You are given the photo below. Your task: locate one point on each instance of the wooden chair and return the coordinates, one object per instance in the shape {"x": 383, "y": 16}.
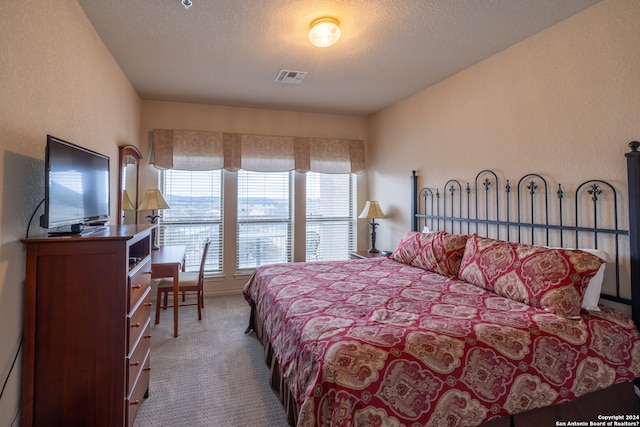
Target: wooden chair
{"x": 313, "y": 242}
{"x": 189, "y": 282}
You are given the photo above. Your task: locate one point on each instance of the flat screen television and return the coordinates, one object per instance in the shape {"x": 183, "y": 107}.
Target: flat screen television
{"x": 76, "y": 186}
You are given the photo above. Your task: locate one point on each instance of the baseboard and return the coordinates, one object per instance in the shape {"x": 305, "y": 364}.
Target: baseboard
{"x": 221, "y": 292}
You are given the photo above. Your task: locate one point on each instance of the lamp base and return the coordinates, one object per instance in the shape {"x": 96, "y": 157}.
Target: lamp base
{"x": 372, "y": 249}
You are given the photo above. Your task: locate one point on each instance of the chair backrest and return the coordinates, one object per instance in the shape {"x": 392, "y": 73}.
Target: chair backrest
{"x": 313, "y": 241}
{"x": 202, "y": 262}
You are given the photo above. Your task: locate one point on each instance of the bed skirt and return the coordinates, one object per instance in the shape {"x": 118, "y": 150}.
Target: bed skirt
{"x": 619, "y": 399}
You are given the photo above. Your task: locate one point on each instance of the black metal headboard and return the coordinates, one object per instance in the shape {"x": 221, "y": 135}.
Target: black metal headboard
{"x": 531, "y": 210}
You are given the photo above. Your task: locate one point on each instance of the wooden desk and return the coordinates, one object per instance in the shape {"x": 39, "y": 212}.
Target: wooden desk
{"x": 167, "y": 262}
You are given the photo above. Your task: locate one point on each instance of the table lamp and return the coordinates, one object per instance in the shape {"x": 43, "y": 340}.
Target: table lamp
{"x": 372, "y": 211}
{"x": 127, "y": 205}
{"x": 153, "y": 200}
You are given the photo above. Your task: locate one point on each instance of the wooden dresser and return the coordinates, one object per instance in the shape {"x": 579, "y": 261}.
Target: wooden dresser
{"x": 87, "y": 328}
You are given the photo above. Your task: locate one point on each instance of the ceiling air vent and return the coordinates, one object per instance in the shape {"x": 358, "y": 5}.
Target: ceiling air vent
{"x": 290, "y": 77}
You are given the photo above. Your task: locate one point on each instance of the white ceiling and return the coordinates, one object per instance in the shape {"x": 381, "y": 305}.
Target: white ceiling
{"x": 228, "y": 52}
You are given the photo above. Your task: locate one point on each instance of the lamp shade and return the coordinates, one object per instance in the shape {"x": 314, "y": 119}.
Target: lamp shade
{"x": 127, "y": 204}
{"x": 372, "y": 210}
{"x": 153, "y": 200}
{"x": 324, "y": 32}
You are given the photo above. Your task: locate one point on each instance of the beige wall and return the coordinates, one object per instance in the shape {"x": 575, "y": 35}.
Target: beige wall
{"x": 563, "y": 103}
{"x": 173, "y": 115}
{"x": 56, "y": 77}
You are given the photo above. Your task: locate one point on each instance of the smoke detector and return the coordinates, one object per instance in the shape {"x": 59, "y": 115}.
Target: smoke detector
{"x": 290, "y": 77}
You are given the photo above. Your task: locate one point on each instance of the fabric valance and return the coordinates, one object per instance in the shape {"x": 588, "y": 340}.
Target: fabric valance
{"x": 204, "y": 150}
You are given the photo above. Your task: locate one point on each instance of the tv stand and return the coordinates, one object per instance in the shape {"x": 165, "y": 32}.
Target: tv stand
{"x": 90, "y": 230}
{"x": 87, "y": 328}
{"x": 67, "y": 230}
{"x": 80, "y": 229}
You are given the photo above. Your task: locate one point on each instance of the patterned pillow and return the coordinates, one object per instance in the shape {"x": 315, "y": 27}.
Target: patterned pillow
{"x": 552, "y": 279}
{"x": 439, "y": 252}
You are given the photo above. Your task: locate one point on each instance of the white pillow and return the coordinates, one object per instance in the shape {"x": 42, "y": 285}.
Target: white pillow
{"x": 592, "y": 293}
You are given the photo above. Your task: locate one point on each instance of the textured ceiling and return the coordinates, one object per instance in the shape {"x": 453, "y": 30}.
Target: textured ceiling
{"x": 228, "y": 52}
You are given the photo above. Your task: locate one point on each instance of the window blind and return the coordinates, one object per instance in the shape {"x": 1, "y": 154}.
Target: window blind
{"x": 195, "y": 214}
{"x": 265, "y": 218}
{"x": 330, "y": 216}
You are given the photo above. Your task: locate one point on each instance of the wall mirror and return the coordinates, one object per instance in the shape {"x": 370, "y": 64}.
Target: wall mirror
{"x": 130, "y": 158}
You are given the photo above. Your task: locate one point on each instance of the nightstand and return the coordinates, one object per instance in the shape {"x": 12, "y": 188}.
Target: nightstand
{"x": 363, "y": 254}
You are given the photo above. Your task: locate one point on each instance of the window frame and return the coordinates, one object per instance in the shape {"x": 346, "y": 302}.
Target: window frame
{"x": 193, "y": 255}
{"x": 350, "y": 219}
{"x": 288, "y": 220}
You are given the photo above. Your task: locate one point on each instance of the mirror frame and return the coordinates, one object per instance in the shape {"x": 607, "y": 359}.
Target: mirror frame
{"x": 132, "y": 151}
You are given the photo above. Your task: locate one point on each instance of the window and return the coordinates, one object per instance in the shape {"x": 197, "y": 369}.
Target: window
{"x": 330, "y": 216}
{"x": 195, "y": 214}
{"x": 265, "y": 218}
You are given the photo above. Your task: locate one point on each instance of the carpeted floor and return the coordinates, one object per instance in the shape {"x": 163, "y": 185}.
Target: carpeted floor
{"x": 212, "y": 374}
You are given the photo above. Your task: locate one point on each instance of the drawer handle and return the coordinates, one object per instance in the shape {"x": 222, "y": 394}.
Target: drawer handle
{"x": 137, "y": 325}
{"x": 146, "y": 336}
{"x": 136, "y": 286}
{"x": 135, "y": 402}
{"x": 135, "y": 364}
{"x": 148, "y": 304}
{"x": 148, "y": 272}
{"x": 146, "y": 369}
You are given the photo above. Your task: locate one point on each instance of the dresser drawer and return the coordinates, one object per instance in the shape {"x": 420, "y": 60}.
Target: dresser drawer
{"x": 138, "y": 358}
{"x": 139, "y": 282}
{"x": 138, "y": 320}
{"x": 134, "y": 399}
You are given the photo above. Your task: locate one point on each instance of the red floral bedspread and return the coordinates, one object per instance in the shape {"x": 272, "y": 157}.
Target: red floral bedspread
{"x": 376, "y": 342}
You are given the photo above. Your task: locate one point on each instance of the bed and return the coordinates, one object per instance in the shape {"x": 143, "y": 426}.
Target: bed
{"x": 480, "y": 320}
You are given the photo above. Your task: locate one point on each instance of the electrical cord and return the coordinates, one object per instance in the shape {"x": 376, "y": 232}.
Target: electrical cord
{"x": 17, "y": 413}
{"x": 13, "y": 364}
{"x": 32, "y": 215}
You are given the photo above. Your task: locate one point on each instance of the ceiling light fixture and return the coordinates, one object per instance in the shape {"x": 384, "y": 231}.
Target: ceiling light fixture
{"x": 324, "y": 32}
{"x": 187, "y": 4}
